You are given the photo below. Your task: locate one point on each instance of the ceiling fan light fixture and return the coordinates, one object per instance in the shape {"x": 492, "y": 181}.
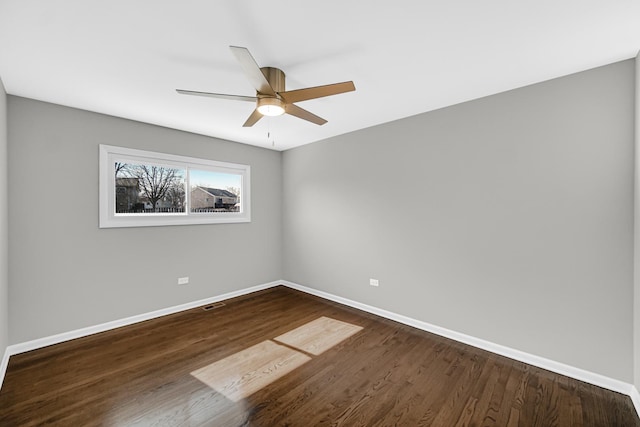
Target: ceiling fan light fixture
{"x": 270, "y": 106}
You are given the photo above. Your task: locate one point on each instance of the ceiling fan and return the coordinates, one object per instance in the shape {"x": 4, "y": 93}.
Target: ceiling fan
{"x": 271, "y": 97}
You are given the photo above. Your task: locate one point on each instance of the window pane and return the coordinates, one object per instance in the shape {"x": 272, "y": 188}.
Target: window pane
{"x": 149, "y": 189}
{"x": 214, "y": 191}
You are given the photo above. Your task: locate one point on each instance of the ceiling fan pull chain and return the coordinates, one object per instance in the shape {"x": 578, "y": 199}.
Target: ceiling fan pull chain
{"x": 273, "y": 141}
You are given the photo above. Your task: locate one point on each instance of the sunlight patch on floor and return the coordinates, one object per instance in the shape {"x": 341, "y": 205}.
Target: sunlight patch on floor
{"x": 318, "y": 336}
{"x": 247, "y": 371}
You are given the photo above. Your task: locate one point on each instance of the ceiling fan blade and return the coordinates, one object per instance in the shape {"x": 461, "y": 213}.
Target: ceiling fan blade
{"x": 316, "y": 92}
{"x": 252, "y": 70}
{"x": 253, "y": 119}
{"x": 303, "y": 114}
{"x": 217, "y": 95}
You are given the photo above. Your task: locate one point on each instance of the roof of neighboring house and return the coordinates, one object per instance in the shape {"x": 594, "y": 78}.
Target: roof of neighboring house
{"x": 218, "y": 192}
{"x": 127, "y": 182}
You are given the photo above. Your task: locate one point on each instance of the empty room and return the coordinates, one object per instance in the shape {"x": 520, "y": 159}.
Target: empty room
{"x": 333, "y": 213}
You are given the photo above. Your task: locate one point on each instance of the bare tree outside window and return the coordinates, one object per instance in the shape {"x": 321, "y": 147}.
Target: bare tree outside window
{"x": 121, "y": 169}
{"x": 155, "y": 182}
{"x": 234, "y": 190}
{"x": 176, "y": 195}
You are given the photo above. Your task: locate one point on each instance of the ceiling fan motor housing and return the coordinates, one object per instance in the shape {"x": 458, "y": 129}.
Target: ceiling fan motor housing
{"x": 275, "y": 77}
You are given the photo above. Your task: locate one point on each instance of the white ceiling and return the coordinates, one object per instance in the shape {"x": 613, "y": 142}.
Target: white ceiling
{"x": 126, "y": 58}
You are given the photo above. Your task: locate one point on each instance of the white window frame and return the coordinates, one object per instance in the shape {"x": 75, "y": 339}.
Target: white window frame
{"x": 109, "y": 154}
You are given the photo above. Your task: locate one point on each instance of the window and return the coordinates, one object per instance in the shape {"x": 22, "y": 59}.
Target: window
{"x": 142, "y": 188}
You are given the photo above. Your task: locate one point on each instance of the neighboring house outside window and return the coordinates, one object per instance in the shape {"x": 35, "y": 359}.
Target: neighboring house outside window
{"x": 127, "y": 190}
{"x": 203, "y": 198}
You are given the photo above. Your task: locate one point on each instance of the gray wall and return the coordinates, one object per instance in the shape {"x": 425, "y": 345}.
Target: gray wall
{"x": 4, "y": 264}
{"x": 66, "y": 273}
{"x": 636, "y": 293}
{"x": 508, "y": 218}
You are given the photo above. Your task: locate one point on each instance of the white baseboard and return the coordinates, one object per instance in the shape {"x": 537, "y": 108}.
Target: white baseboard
{"x": 635, "y": 398}
{"x": 83, "y": 332}
{"x": 4, "y": 364}
{"x": 541, "y": 362}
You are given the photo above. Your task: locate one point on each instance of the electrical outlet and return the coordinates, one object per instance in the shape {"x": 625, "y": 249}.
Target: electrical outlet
{"x": 374, "y": 282}
{"x": 183, "y": 280}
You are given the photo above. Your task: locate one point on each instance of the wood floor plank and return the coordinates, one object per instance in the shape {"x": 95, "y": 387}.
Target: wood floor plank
{"x": 280, "y": 357}
{"x": 485, "y": 394}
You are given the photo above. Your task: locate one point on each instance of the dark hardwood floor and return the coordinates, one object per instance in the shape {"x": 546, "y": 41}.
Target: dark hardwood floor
{"x": 284, "y": 358}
